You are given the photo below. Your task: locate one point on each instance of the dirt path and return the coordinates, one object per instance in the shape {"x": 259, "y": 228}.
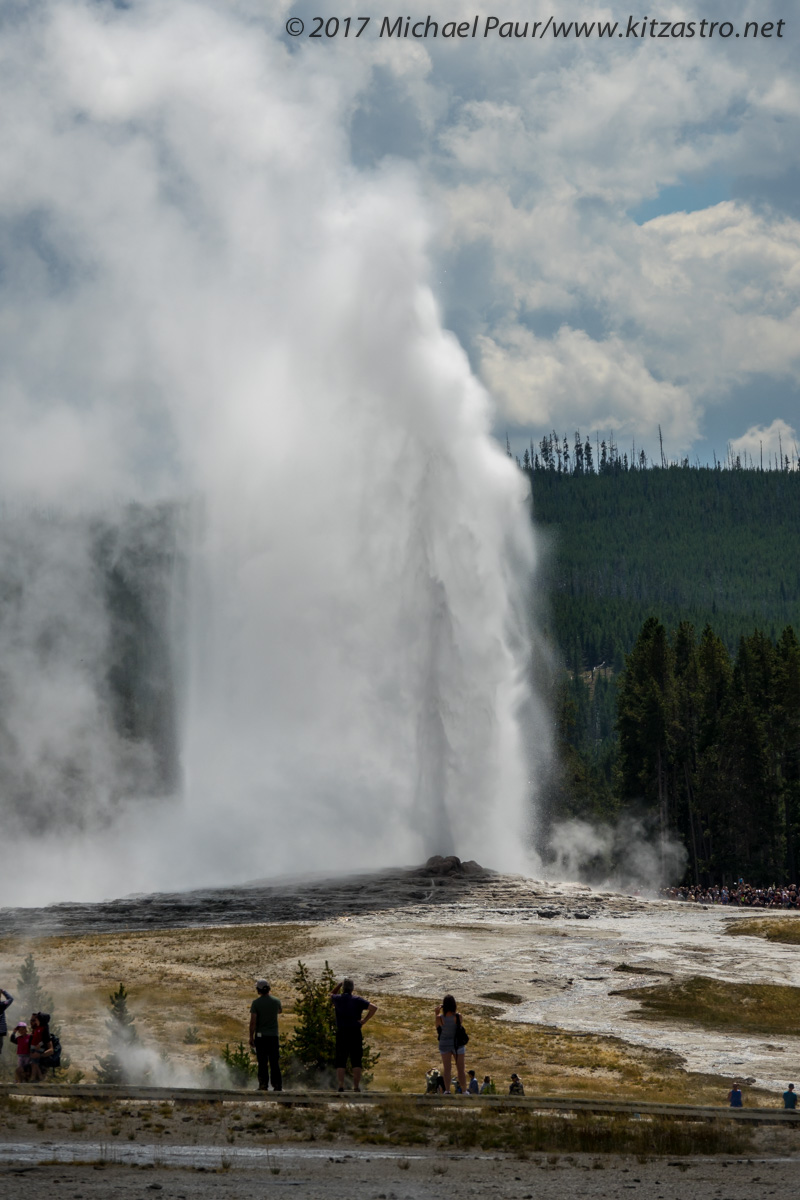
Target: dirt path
{"x": 340, "y": 1174}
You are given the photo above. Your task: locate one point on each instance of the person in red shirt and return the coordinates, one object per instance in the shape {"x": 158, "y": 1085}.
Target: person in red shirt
{"x": 22, "y": 1040}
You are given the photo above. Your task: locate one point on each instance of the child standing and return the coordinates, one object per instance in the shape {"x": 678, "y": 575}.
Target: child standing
{"x": 22, "y": 1040}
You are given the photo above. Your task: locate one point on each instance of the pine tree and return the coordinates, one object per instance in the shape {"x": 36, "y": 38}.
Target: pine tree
{"x": 684, "y": 765}
{"x": 31, "y": 996}
{"x": 122, "y": 1035}
{"x": 786, "y": 725}
{"x": 645, "y": 720}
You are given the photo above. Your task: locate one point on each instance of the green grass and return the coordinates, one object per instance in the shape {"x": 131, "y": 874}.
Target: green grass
{"x": 395, "y": 1122}
{"x": 518, "y": 1132}
{"x": 716, "y": 1004}
{"x": 773, "y": 929}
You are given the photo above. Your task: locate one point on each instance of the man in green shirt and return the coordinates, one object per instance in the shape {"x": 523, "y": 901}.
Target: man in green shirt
{"x": 264, "y": 1037}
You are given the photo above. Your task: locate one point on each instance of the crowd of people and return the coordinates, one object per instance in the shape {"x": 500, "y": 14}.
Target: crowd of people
{"x": 352, "y": 1013}
{"x": 739, "y": 894}
{"x": 38, "y": 1050}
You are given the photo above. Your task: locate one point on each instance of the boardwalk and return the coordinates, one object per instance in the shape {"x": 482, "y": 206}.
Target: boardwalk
{"x": 544, "y": 1104}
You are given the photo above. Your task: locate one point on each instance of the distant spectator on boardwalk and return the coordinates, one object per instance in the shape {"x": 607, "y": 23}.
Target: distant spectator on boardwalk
{"x": 516, "y": 1088}
{"x": 6, "y": 1002}
{"x": 472, "y": 1086}
{"x": 433, "y": 1082}
{"x": 264, "y": 1038}
{"x": 452, "y": 1041}
{"x": 487, "y": 1087}
{"x": 790, "y": 1097}
{"x": 349, "y": 1023}
{"x": 735, "y": 1096}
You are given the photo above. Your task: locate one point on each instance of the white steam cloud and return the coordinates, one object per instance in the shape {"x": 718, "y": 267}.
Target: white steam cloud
{"x": 202, "y": 301}
{"x": 622, "y": 854}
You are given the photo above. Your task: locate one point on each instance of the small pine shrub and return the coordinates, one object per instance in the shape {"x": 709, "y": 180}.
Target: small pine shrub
{"x": 31, "y": 996}
{"x": 122, "y": 1036}
{"x": 241, "y": 1064}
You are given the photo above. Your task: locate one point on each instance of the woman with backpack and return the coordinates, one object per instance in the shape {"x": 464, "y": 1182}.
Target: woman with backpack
{"x": 42, "y": 1048}
{"x": 453, "y": 1039}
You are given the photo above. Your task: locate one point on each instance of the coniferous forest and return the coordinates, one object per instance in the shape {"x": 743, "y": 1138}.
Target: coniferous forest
{"x": 673, "y": 600}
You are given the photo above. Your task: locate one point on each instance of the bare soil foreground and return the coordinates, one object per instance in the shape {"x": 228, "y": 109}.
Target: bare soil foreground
{"x": 340, "y": 1176}
{"x": 392, "y": 1149}
{"x": 582, "y": 993}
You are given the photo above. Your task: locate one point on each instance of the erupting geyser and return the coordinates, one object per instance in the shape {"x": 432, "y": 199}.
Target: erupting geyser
{"x": 205, "y": 306}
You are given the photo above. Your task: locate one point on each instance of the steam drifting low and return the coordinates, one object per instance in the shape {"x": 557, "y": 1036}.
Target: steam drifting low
{"x": 204, "y": 307}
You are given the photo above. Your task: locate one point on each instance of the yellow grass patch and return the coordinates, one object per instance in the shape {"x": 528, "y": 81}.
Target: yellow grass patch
{"x": 716, "y": 1004}
{"x": 773, "y": 929}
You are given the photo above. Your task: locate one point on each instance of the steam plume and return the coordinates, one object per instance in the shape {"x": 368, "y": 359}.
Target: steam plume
{"x": 204, "y": 304}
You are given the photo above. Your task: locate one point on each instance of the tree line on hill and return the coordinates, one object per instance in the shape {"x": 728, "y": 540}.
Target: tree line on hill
{"x": 697, "y": 544}
{"x": 555, "y": 453}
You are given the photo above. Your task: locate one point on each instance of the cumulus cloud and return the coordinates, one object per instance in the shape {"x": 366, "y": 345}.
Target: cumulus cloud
{"x": 539, "y": 158}
{"x": 760, "y": 443}
{"x": 575, "y": 379}
{"x": 682, "y": 309}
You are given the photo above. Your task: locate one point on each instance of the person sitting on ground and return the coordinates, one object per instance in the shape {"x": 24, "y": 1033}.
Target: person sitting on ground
{"x": 41, "y": 1045}
{"x": 22, "y": 1040}
{"x": 516, "y": 1088}
{"x": 472, "y": 1086}
{"x": 349, "y": 1041}
{"x": 264, "y": 1012}
{"x": 790, "y": 1097}
{"x": 735, "y": 1096}
{"x": 487, "y": 1087}
{"x": 5, "y": 1003}
{"x": 433, "y": 1082}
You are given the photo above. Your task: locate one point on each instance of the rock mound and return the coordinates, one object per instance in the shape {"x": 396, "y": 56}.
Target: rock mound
{"x": 451, "y": 865}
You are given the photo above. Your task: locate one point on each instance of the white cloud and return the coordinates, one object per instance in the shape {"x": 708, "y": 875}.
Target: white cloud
{"x": 684, "y": 308}
{"x": 573, "y": 380}
{"x": 762, "y": 443}
{"x": 545, "y": 150}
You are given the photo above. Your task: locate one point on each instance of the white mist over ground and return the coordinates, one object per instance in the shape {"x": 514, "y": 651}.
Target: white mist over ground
{"x": 202, "y": 300}
{"x": 629, "y": 852}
